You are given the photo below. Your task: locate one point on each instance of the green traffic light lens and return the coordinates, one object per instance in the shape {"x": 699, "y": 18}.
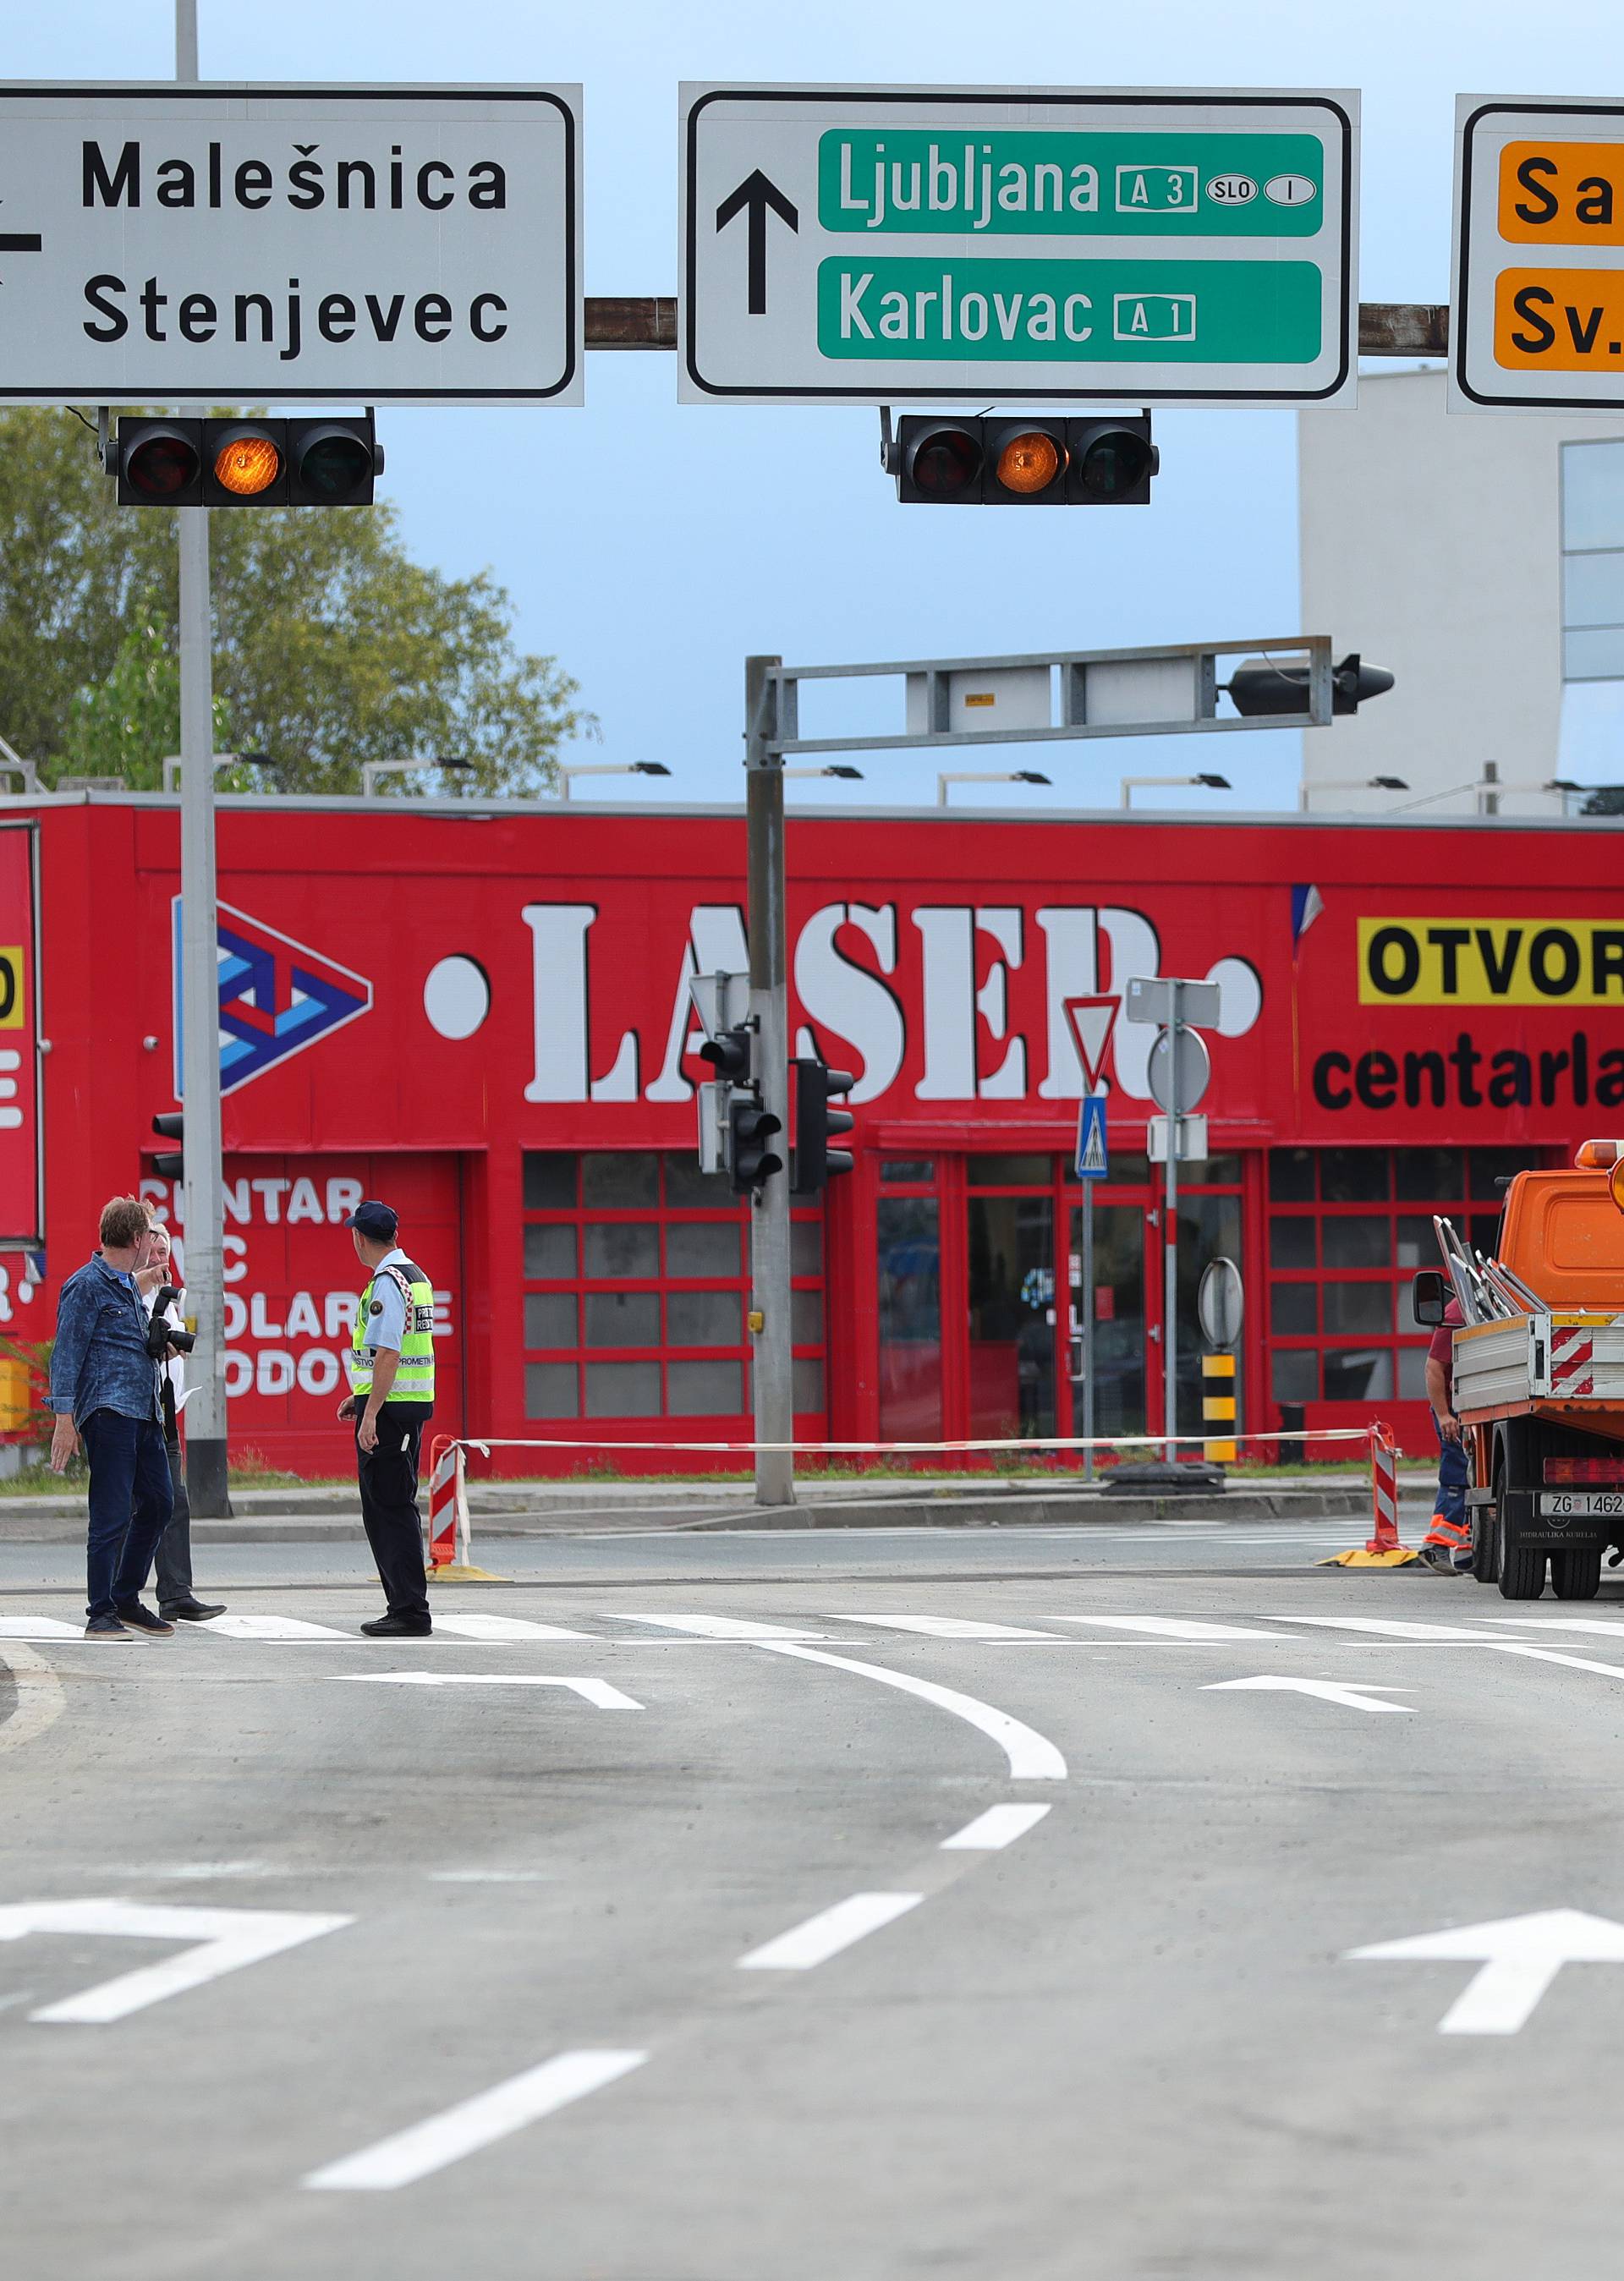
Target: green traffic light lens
{"x": 161, "y": 465}
{"x": 1115, "y": 463}
{"x": 336, "y": 468}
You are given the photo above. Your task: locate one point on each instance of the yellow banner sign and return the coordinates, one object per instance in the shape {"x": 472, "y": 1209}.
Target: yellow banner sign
{"x": 1559, "y": 319}
{"x": 1562, "y": 193}
{"x": 1538, "y": 961}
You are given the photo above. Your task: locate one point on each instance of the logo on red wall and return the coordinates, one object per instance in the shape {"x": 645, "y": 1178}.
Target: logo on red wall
{"x": 276, "y": 997}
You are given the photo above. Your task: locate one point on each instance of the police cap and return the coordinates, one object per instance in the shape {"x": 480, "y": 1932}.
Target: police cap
{"x": 374, "y": 1219}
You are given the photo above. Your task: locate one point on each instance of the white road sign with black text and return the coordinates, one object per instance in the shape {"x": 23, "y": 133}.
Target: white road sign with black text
{"x": 881, "y": 245}
{"x": 252, "y": 244}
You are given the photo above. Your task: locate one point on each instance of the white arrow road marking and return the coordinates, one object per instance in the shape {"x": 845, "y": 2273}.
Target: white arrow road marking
{"x": 1032, "y": 1756}
{"x": 500, "y": 1627}
{"x": 1331, "y": 1690}
{"x": 478, "y": 2121}
{"x": 830, "y": 1931}
{"x": 1177, "y": 1627}
{"x": 992, "y": 1831}
{"x": 721, "y": 1628}
{"x": 1521, "y": 1957}
{"x": 38, "y": 1628}
{"x": 954, "y": 1628}
{"x": 272, "y": 1627}
{"x": 594, "y": 1690}
{"x": 223, "y": 1940}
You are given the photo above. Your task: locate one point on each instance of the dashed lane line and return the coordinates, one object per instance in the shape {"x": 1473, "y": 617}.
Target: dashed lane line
{"x": 713, "y": 1627}
{"x": 501, "y": 1628}
{"x": 39, "y": 1700}
{"x": 1174, "y": 1627}
{"x": 949, "y": 1627}
{"x": 830, "y": 1931}
{"x": 596, "y": 1691}
{"x": 992, "y": 1831}
{"x": 459, "y": 2130}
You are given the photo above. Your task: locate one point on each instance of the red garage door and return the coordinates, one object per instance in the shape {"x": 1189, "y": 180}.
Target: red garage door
{"x": 292, "y": 1282}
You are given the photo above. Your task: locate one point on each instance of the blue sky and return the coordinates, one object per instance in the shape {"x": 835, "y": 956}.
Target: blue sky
{"x": 650, "y": 548}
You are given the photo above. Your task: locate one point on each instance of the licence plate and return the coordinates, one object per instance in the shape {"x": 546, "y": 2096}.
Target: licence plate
{"x": 1574, "y": 1504}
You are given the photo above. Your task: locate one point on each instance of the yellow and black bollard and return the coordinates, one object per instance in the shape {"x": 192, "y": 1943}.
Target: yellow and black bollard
{"x": 1217, "y": 1404}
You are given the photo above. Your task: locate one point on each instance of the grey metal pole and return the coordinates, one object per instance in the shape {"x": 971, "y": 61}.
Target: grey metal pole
{"x": 1087, "y": 1322}
{"x": 772, "y": 1366}
{"x": 206, "y": 1411}
{"x": 1170, "y": 1235}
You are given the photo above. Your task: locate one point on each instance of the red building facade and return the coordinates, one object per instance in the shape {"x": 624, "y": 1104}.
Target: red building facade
{"x": 481, "y": 1014}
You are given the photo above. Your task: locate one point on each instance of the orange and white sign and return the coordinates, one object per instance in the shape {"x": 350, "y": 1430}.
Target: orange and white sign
{"x": 1537, "y": 296}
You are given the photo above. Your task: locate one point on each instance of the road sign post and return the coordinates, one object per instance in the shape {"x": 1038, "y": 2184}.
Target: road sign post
{"x": 1179, "y": 1067}
{"x": 1537, "y": 321}
{"x": 772, "y": 1354}
{"x": 1091, "y": 1021}
{"x": 879, "y": 245}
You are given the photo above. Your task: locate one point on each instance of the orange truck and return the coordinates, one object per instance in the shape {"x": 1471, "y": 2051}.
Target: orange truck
{"x": 1539, "y": 1375}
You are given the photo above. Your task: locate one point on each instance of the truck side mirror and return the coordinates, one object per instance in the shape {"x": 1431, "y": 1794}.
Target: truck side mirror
{"x": 1429, "y": 1296}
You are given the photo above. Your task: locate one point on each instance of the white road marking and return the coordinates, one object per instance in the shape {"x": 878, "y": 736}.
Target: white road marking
{"x": 38, "y": 1628}
{"x": 39, "y": 1700}
{"x": 221, "y": 1940}
{"x": 830, "y": 1931}
{"x": 479, "y": 2121}
{"x": 501, "y": 1628}
{"x": 953, "y": 1627}
{"x": 992, "y": 1831}
{"x": 1564, "y": 1624}
{"x": 1032, "y": 1756}
{"x": 1521, "y": 1957}
{"x": 1553, "y": 1655}
{"x": 720, "y": 1628}
{"x": 1177, "y": 1627}
{"x": 1354, "y": 1698}
{"x": 1387, "y": 1629}
{"x": 272, "y": 1627}
{"x": 594, "y": 1690}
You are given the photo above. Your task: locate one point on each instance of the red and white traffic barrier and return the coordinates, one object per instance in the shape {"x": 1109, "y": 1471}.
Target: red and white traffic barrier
{"x": 1572, "y": 1355}
{"x": 1382, "y": 1549}
{"x": 448, "y": 1504}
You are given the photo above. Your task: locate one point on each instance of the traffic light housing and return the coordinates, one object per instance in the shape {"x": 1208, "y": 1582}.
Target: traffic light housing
{"x": 329, "y": 462}
{"x": 729, "y": 1054}
{"x": 751, "y": 1158}
{"x": 816, "y": 1124}
{"x": 1259, "y": 686}
{"x": 943, "y": 461}
{"x": 170, "y": 1164}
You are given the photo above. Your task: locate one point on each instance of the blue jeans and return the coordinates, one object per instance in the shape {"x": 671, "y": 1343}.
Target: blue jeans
{"x": 130, "y": 1505}
{"x": 1449, "y": 1504}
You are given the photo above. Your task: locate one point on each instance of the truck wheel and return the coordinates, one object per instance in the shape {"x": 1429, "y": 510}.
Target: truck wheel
{"x": 1485, "y": 1544}
{"x": 1522, "y": 1571}
{"x": 1577, "y": 1576}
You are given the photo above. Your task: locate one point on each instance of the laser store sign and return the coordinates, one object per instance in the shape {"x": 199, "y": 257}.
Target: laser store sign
{"x": 882, "y": 243}
{"x": 391, "y": 243}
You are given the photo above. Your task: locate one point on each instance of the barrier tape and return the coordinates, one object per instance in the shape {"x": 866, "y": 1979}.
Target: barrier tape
{"x": 941, "y": 1449}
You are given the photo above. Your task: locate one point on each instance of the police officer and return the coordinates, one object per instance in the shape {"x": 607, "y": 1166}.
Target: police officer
{"x": 391, "y": 1378}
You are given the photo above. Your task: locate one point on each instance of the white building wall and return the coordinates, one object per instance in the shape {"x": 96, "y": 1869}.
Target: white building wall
{"x": 1431, "y": 543}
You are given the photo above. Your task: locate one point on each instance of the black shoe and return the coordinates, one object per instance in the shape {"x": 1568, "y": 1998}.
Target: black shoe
{"x": 135, "y": 1617}
{"x": 102, "y": 1628}
{"x": 399, "y": 1627}
{"x": 192, "y": 1612}
{"x": 1439, "y": 1559}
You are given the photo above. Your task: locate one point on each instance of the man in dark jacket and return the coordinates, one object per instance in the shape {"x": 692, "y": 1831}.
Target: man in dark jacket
{"x": 104, "y": 1387}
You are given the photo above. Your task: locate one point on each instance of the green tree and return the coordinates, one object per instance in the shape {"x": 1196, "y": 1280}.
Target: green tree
{"x": 332, "y": 646}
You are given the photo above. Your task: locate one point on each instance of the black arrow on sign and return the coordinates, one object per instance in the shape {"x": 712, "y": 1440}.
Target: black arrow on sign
{"x": 754, "y": 196}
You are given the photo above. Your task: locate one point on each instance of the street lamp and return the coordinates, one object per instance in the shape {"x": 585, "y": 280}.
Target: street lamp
{"x": 1488, "y": 786}
{"x": 566, "y": 776}
{"x": 371, "y": 770}
{"x": 985, "y": 776}
{"x": 1349, "y": 783}
{"x": 835, "y": 768}
{"x": 172, "y": 765}
{"x": 1212, "y": 783}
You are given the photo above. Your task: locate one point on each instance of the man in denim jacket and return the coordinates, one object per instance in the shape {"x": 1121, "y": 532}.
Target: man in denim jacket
{"x": 105, "y": 1386}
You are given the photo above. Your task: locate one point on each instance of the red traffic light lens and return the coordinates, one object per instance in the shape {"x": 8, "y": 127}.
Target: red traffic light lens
{"x": 1029, "y": 462}
{"x": 160, "y": 466}
{"x": 335, "y": 467}
{"x": 946, "y": 462}
{"x": 1116, "y": 462}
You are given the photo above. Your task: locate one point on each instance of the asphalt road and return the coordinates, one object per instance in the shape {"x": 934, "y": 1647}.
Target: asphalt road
{"x": 851, "y": 1906}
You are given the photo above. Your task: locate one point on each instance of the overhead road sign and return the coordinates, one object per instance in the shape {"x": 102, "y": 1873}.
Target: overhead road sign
{"x": 1538, "y": 295}
{"x": 883, "y": 244}
{"x": 252, "y": 244}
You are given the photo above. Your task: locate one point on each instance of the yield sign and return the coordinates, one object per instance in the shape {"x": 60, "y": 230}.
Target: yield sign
{"x": 1092, "y": 1020}
{"x": 1519, "y": 1957}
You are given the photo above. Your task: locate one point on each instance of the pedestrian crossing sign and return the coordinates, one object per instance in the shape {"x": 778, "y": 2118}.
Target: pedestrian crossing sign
{"x": 1093, "y": 1156}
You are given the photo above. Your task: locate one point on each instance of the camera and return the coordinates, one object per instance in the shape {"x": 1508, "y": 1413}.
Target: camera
{"x": 163, "y": 1335}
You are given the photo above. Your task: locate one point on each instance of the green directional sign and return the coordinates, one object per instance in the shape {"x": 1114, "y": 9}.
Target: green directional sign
{"x": 883, "y": 244}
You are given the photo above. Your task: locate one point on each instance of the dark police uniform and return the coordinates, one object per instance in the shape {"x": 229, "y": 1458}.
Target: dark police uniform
{"x": 396, "y": 1315}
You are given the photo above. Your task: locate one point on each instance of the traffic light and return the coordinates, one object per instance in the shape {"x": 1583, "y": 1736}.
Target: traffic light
{"x": 729, "y": 1054}
{"x": 246, "y": 462}
{"x": 986, "y": 461}
{"x": 751, "y": 1160}
{"x": 170, "y": 1164}
{"x": 1259, "y": 686}
{"x": 816, "y": 1085}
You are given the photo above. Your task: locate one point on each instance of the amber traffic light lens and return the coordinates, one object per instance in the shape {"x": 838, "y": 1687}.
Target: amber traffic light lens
{"x": 1029, "y": 463}
{"x": 247, "y": 465}
{"x": 161, "y": 465}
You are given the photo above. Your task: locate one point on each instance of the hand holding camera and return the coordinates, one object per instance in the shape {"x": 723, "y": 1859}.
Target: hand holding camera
{"x": 165, "y": 1337}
